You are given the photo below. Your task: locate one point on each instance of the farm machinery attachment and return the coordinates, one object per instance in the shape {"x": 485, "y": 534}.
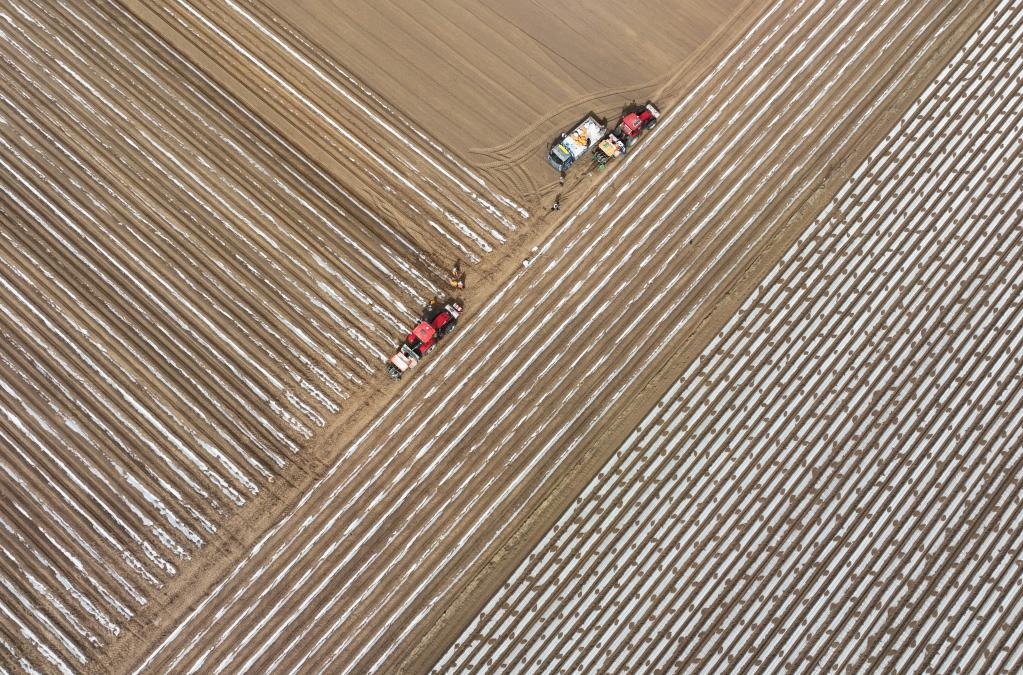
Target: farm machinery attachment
{"x": 439, "y": 318}
{"x": 625, "y": 134}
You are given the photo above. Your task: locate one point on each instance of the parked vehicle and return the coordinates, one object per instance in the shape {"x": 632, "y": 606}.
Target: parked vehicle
{"x": 574, "y": 144}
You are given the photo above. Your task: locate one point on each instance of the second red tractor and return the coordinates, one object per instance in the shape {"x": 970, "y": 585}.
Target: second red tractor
{"x": 628, "y": 130}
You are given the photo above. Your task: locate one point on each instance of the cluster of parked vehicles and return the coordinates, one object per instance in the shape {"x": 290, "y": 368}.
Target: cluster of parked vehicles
{"x": 591, "y": 135}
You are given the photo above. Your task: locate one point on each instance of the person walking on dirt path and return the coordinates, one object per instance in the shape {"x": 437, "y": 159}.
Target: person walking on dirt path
{"x": 561, "y": 178}
{"x": 456, "y": 276}
{"x": 557, "y": 203}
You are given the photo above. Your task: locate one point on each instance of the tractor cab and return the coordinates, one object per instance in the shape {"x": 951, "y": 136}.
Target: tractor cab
{"x": 635, "y": 122}
{"x": 631, "y": 124}
{"x": 423, "y": 333}
{"x": 561, "y": 158}
{"x": 438, "y": 319}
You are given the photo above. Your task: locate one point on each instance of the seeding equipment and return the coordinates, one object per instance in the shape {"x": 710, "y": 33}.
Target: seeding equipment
{"x": 626, "y": 132}
{"x": 437, "y": 320}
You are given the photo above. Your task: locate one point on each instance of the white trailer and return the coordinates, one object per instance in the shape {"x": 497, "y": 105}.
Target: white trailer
{"x": 574, "y": 144}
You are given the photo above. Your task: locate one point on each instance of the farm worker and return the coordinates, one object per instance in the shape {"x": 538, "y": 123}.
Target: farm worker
{"x": 457, "y": 276}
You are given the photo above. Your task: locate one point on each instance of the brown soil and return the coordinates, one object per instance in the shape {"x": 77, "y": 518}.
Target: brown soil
{"x": 477, "y": 75}
{"x": 209, "y": 250}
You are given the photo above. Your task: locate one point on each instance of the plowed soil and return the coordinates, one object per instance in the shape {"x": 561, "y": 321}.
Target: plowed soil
{"x": 495, "y": 81}
{"x": 220, "y": 217}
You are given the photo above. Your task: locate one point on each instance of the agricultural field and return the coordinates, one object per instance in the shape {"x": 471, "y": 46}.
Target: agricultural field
{"x": 833, "y": 483}
{"x": 448, "y": 67}
{"x": 489, "y": 82}
{"x": 220, "y": 218}
{"x": 174, "y": 331}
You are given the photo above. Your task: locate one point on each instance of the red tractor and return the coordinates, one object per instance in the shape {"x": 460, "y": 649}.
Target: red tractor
{"x": 438, "y": 319}
{"x": 634, "y": 123}
{"x": 628, "y": 130}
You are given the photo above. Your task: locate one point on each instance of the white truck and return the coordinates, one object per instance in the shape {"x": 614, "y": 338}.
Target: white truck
{"x": 574, "y": 144}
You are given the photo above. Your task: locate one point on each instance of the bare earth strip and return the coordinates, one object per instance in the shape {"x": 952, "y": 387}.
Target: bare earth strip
{"x": 428, "y": 56}
{"x": 833, "y": 484}
{"x": 414, "y": 507}
{"x": 496, "y": 80}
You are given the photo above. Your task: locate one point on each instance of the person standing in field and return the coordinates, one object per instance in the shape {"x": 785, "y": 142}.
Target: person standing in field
{"x": 456, "y": 277}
